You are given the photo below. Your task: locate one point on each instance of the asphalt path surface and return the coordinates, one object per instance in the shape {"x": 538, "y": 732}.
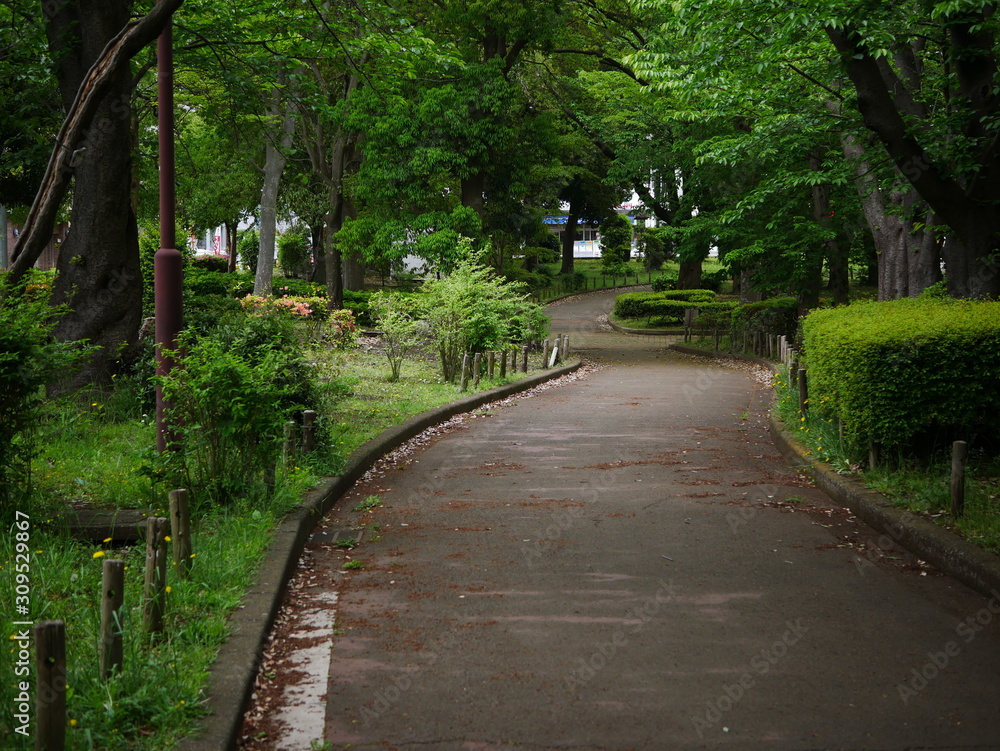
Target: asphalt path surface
{"x": 625, "y": 562}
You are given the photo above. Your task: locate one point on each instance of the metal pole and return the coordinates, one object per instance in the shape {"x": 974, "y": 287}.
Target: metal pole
{"x": 167, "y": 261}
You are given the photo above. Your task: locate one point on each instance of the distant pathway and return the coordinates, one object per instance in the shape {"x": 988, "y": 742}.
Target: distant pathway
{"x": 626, "y": 562}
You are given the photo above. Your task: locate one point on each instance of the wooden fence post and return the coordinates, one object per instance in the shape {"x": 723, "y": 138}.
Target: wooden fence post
{"x": 524, "y": 358}
{"x": 545, "y": 353}
{"x": 289, "y": 446}
{"x": 465, "y": 372}
{"x": 477, "y": 368}
{"x": 112, "y": 599}
{"x": 308, "y": 430}
{"x": 803, "y": 392}
{"x": 154, "y": 585}
{"x": 503, "y": 363}
{"x": 491, "y": 361}
{"x": 50, "y": 683}
{"x": 959, "y": 454}
{"x": 180, "y": 531}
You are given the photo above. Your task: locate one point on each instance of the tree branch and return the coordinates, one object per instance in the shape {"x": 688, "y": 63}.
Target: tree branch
{"x": 38, "y": 226}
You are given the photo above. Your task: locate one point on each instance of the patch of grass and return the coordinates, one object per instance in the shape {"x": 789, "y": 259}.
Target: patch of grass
{"x": 370, "y": 503}
{"x": 920, "y": 489}
{"x": 353, "y": 565}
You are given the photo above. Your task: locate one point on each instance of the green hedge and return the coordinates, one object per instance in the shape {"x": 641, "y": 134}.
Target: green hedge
{"x": 892, "y": 370}
{"x": 637, "y": 304}
{"x": 778, "y": 316}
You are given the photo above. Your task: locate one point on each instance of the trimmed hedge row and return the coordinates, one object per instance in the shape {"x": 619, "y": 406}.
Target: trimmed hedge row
{"x": 892, "y": 370}
{"x": 778, "y": 316}
{"x": 642, "y": 304}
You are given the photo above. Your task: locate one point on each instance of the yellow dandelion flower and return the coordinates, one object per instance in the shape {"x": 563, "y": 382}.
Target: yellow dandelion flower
{"x": 99, "y": 554}
{"x": 72, "y": 723}
{"x": 107, "y": 539}
{"x": 169, "y": 590}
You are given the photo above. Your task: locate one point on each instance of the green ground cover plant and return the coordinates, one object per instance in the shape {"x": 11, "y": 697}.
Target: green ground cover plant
{"x": 95, "y": 450}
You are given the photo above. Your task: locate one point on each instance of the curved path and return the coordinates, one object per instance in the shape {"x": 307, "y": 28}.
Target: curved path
{"x": 625, "y": 562}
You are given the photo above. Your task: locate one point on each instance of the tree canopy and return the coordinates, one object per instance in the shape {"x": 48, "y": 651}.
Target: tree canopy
{"x": 799, "y": 139}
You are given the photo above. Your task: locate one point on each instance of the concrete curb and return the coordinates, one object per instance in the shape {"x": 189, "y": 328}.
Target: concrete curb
{"x": 976, "y": 568}
{"x": 235, "y": 667}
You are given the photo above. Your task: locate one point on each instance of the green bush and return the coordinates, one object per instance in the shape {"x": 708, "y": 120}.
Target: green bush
{"x": 293, "y": 252}
{"x": 473, "y": 310}
{"x": 238, "y": 385}
{"x": 210, "y": 263}
{"x": 648, "y": 304}
{"x": 357, "y": 302}
{"x": 29, "y": 360}
{"x": 248, "y": 249}
{"x": 398, "y": 318}
{"x": 199, "y": 281}
{"x": 777, "y": 316}
{"x": 664, "y": 282}
{"x": 891, "y": 370}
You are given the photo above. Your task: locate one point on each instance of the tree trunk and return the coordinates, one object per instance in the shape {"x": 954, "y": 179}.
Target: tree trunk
{"x": 689, "y": 276}
{"x": 98, "y": 269}
{"x": 472, "y": 192}
{"x": 569, "y": 241}
{"x": 231, "y": 245}
{"x": 319, "y": 254}
{"x": 354, "y": 273}
{"x": 908, "y": 259}
{"x": 274, "y": 165}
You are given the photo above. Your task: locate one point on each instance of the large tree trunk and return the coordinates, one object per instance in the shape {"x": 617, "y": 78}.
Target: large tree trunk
{"x": 274, "y": 165}
{"x": 832, "y": 250}
{"x": 98, "y": 268}
{"x": 689, "y": 275}
{"x": 908, "y": 259}
{"x": 231, "y": 245}
{"x": 473, "y": 187}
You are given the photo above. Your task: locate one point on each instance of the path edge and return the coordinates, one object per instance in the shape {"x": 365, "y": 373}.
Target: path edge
{"x": 234, "y": 670}
{"x": 978, "y": 569}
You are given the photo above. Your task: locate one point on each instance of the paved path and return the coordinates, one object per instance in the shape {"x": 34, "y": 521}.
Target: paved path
{"x": 625, "y": 562}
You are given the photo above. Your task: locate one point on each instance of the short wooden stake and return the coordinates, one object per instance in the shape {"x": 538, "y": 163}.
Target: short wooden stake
{"x": 803, "y": 392}
{"x": 50, "y": 686}
{"x": 716, "y": 347}
{"x": 112, "y": 599}
{"x": 477, "y": 369}
{"x": 959, "y": 454}
{"x": 180, "y": 531}
{"x": 308, "y": 430}
{"x": 873, "y": 454}
{"x": 289, "y": 446}
{"x": 524, "y": 358}
{"x": 491, "y": 361}
{"x": 545, "y": 353}
{"x": 465, "y": 372}
{"x": 154, "y": 585}
{"x": 503, "y": 363}
{"x": 565, "y": 347}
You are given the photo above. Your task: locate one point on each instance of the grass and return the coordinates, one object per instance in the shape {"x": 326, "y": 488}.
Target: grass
{"x": 93, "y": 451}
{"x": 919, "y": 486}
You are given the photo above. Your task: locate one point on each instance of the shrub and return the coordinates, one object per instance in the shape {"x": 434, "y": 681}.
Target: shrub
{"x": 343, "y": 329}
{"x": 616, "y": 242}
{"x": 293, "y": 252}
{"x": 398, "y": 318}
{"x": 248, "y": 248}
{"x": 647, "y": 304}
{"x": 891, "y": 370}
{"x": 576, "y": 280}
{"x": 29, "y": 360}
{"x": 313, "y": 308}
{"x": 210, "y": 263}
{"x": 199, "y": 281}
{"x": 356, "y": 301}
{"x": 778, "y": 316}
{"x": 665, "y": 282}
{"x": 283, "y": 286}
{"x": 473, "y": 310}
{"x": 238, "y": 385}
